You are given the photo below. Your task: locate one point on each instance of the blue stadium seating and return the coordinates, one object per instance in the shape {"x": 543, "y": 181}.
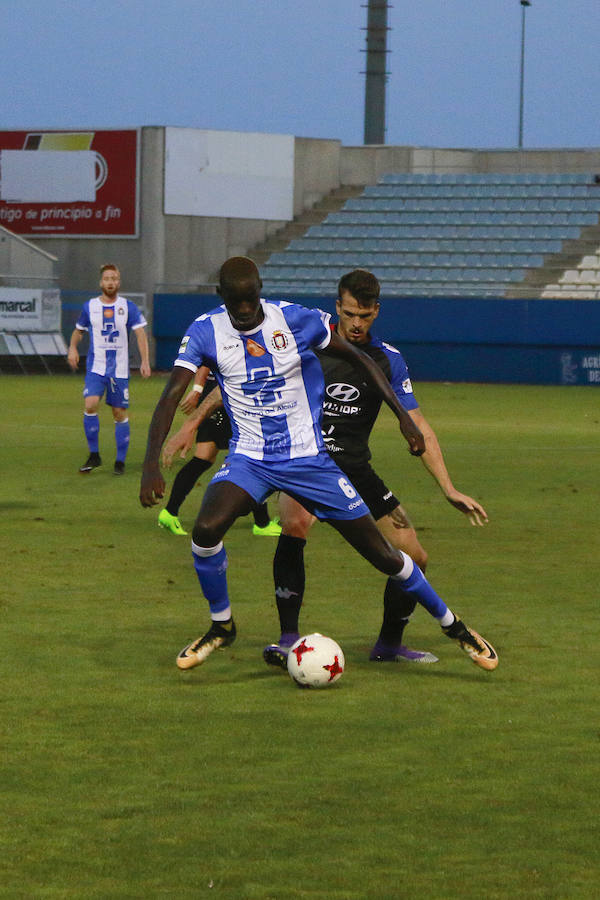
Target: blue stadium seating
{"x": 459, "y": 234}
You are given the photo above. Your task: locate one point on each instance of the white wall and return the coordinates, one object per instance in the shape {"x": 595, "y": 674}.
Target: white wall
{"x": 229, "y": 174}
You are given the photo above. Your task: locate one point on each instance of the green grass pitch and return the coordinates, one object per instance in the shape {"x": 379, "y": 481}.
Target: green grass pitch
{"x": 122, "y": 777}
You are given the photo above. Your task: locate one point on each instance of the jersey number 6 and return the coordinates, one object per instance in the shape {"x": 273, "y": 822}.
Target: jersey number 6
{"x": 347, "y": 488}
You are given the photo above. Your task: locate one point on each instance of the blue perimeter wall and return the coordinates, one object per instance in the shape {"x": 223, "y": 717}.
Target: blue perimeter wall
{"x": 449, "y": 339}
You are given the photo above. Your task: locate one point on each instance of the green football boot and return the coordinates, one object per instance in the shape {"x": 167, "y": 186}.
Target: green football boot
{"x": 169, "y": 522}
{"x": 272, "y": 529}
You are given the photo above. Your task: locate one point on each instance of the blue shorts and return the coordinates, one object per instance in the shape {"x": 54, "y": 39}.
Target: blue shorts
{"x": 315, "y": 481}
{"x": 117, "y": 389}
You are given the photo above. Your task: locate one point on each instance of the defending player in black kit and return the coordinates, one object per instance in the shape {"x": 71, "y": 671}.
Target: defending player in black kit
{"x": 350, "y": 410}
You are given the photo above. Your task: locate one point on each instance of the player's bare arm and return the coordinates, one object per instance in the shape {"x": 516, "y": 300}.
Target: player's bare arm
{"x": 183, "y": 440}
{"x": 142, "y": 342}
{"x": 340, "y": 347}
{"x": 191, "y": 400}
{"x": 153, "y": 484}
{"x": 73, "y": 353}
{"x": 433, "y": 460}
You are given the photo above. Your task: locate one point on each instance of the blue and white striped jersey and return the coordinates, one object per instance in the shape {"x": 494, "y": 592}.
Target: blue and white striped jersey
{"x": 108, "y": 326}
{"x": 271, "y": 381}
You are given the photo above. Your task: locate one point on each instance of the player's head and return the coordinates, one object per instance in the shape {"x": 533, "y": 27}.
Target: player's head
{"x": 239, "y": 288}
{"x": 357, "y": 305}
{"x": 110, "y": 279}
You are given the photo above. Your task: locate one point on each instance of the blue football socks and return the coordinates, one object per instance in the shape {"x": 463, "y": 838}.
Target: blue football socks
{"x": 417, "y": 585}
{"x": 91, "y": 427}
{"x": 211, "y": 568}
{"x": 122, "y": 439}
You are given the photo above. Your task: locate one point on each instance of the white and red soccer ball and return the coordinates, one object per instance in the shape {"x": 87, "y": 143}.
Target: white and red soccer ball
{"x": 315, "y": 661}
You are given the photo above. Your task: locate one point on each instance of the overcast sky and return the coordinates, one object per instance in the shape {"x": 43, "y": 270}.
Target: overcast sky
{"x": 296, "y": 68}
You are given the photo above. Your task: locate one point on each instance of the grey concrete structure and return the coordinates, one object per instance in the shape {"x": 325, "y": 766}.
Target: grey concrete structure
{"x": 23, "y": 264}
{"x": 184, "y": 252}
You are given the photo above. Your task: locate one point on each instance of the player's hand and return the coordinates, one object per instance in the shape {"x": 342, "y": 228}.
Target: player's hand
{"x": 473, "y": 510}
{"x": 413, "y": 436}
{"x": 145, "y": 370}
{"x": 181, "y": 443}
{"x": 152, "y": 488}
{"x": 190, "y": 402}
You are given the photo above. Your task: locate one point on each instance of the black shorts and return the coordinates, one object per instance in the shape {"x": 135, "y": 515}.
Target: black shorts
{"x": 372, "y": 489}
{"x": 215, "y": 429}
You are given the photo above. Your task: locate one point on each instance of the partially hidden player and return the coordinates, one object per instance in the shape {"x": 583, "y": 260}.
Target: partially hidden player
{"x": 212, "y": 435}
{"x": 350, "y": 409}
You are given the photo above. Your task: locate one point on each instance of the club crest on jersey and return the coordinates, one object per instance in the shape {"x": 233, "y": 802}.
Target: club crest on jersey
{"x": 279, "y": 340}
{"x": 254, "y": 349}
{"x": 120, "y": 310}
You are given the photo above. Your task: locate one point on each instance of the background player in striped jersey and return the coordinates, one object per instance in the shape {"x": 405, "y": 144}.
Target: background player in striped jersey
{"x": 108, "y": 319}
{"x": 262, "y": 353}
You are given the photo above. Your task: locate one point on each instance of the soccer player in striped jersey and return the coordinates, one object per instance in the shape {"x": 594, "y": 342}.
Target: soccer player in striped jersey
{"x": 263, "y": 355}
{"x": 108, "y": 319}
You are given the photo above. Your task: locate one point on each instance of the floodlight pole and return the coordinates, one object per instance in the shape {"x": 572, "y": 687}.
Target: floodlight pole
{"x": 376, "y": 72}
{"x": 524, "y": 5}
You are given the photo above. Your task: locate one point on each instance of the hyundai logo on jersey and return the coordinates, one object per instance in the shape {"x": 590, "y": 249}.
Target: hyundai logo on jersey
{"x": 344, "y": 392}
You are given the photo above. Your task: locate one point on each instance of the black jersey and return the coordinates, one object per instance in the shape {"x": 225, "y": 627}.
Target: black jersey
{"x": 351, "y": 405}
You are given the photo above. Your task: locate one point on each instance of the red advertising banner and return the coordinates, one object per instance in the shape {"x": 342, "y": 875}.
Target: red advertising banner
{"x": 69, "y": 183}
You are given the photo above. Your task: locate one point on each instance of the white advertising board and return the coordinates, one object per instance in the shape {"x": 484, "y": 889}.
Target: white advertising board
{"x": 24, "y": 309}
{"x": 47, "y": 176}
{"x": 229, "y": 174}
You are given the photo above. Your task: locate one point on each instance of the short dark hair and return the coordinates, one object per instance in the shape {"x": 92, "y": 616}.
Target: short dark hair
{"x": 362, "y": 284}
{"x": 106, "y": 266}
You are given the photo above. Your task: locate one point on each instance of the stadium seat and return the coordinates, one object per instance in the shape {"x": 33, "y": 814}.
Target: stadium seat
{"x": 459, "y": 232}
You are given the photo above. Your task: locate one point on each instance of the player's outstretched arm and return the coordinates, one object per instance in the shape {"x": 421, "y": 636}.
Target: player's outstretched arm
{"x": 433, "y": 460}
{"x": 374, "y": 374}
{"x": 152, "y": 486}
{"x": 184, "y": 439}
{"x": 179, "y": 443}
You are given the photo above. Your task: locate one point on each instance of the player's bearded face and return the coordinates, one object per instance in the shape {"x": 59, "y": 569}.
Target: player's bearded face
{"x": 110, "y": 282}
{"x": 355, "y": 320}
